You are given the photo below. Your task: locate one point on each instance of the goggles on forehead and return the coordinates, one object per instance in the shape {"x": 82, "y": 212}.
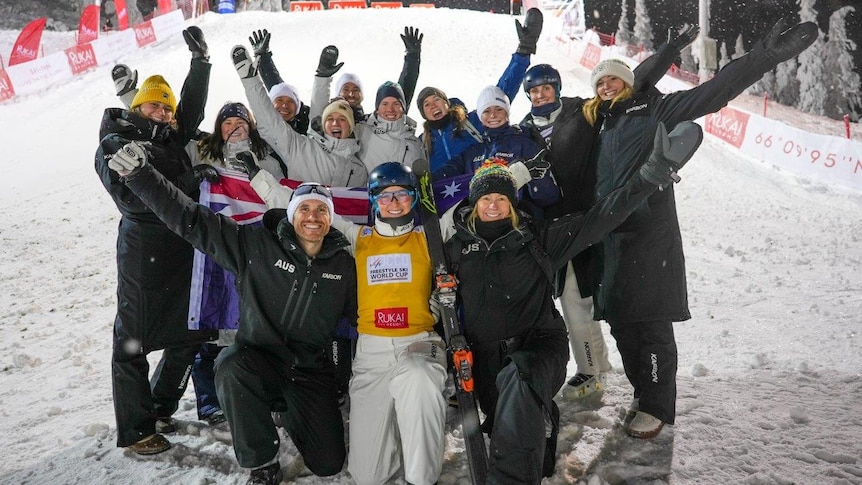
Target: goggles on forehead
{"x": 311, "y": 188}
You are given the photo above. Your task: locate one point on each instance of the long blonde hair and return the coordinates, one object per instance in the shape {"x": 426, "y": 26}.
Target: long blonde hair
{"x": 591, "y": 107}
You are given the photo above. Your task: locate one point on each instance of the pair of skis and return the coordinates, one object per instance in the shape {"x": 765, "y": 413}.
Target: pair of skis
{"x": 462, "y": 357}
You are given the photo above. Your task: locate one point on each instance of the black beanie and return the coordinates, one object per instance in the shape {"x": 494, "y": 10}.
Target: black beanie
{"x": 387, "y": 89}
{"x": 232, "y": 110}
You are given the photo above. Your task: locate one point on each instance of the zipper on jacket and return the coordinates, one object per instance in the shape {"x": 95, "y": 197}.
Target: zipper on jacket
{"x": 289, "y": 302}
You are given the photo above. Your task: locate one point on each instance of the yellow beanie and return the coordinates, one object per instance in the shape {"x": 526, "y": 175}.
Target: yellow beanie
{"x": 155, "y": 90}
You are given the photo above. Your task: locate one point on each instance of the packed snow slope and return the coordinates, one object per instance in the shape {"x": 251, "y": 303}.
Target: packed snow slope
{"x": 769, "y": 364}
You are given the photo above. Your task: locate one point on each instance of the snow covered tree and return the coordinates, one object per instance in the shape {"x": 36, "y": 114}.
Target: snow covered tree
{"x": 786, "y": 83}
{"x": 624, "y": 34}
{"x": 812, "y": 89}
{"x": 643, "y": 25}
{"x": 723, "y": 59}
{"x": 739, "y": 49}
{"x": 842, "y": 83}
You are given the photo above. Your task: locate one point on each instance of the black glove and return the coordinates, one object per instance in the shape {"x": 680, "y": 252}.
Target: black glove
{"x": 195, "y": 39}
{"x": 205, "y": 172}
{"x": 249, "y": 163}
{"x": 260, "y": 42}
{"x": 125, "y": 79}
{"x": 412, "y": 40}
{"x": 328, "y": 58}
{"x": 684, "y": 38}
{"x": 784, "y": 43}
{"x": 670, "y": 152}
{"x": 528, "y": 34}
{"x": 537, "y": 165}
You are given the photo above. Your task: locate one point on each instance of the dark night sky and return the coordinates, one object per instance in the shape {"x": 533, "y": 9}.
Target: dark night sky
{"x": 728, "y": 18}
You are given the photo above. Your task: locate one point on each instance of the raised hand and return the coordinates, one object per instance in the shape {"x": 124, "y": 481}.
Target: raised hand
{"x": 260, "y": 42}
{"x": 194, "y": 38}
{"x": 670, "y": 152}
{"x": 328, "y": 59}
{"x": 412, "y": 40}
{"x": 528, "y": 34}
{"x": 684, "y": 38}
{"x": 242, "y": 62}
{"x": 125, "y": 79}
{"x": 131, "y": 156}
{"x": 783, "y": 43}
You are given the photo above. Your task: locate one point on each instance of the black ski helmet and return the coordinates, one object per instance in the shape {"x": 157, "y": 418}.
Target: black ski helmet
{"x": 542, "y": 74}
{"x": 389, "y": 174}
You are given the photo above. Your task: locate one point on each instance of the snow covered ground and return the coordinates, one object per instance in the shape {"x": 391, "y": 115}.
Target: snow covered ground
{"x": 770, "y": 363}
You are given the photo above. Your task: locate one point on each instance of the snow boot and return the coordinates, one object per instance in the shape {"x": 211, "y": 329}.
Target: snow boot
{"x": 165, "y": 425}
{"x": 151, "y": 445}
{"x": 582, "y": 385}
{"x": 266, "y": 475}
{"x": 644, "y": 426}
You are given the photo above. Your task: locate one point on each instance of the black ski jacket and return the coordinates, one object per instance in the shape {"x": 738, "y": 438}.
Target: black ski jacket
{"x": 570, "y": 154}
{"x": 505, "y": 285}
{"x": 290, "y": 303}
{"x": 642, "y": 263}
{"x": 153, "y": 264}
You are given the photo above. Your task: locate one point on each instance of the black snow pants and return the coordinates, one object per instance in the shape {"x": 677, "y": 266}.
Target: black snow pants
{"x": 251, "y": 382}
{"x": 648, "y": 350}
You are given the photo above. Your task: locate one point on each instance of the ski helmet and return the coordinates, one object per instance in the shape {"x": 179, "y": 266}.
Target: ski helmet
{"x": 542, "y": 74}
{"x": 387, "y": 175}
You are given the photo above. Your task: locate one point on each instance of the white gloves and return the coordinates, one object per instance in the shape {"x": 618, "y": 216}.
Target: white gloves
{"x": 133, "y": 155}
{"x": 434, "y": 305}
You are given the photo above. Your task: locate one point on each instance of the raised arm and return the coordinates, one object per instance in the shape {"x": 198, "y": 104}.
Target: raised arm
{"x": 259, "y": 41}
{"x": 327, "y": 66}
{"x": 653, "y": 68}
{"x": 193, "y": 97}
{"x": 410, "y": 70}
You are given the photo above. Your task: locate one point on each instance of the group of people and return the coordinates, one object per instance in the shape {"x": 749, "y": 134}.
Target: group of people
{"x": 575, "y": 202}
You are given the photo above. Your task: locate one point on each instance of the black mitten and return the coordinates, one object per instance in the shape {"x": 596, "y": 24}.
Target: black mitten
{"x": 125, "y": 79}
{"x": 412, "y": 40}
{"x": 205, "y": 172}
{"x": 260, "y": 42}
{"x": 328, "y": 58}
{"x": 528, "y": 34}
{"x": 784, "y": 43}
{"x": 670, "y": 152}
{"x": 194, "y": 37}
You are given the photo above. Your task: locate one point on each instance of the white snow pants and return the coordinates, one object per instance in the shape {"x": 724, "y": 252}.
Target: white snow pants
{"x": 397, "y": 409}
{"x": 585, "y": 334}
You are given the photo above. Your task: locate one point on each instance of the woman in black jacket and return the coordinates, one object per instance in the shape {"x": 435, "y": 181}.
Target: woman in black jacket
{"x": 505, "y": 264}
{"x": 153, "y": 264}
{"x": 558, "y": 123}
{"x": 642, "y": 289}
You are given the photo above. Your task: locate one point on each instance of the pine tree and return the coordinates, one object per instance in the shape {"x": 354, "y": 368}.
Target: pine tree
{"x": 643, "y": 27}
{"x": 842, "y": 83}
{"x": 812, "y": 89}
{"x": 624, "y": 34}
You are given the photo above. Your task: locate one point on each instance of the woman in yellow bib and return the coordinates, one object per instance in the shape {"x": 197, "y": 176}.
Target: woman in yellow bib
{"x": 397, "y": 408}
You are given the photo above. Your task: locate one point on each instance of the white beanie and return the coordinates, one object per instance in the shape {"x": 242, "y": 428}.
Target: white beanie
{"x": 492, "y": 96}
{"x": 284, "y": 89}
{"x": 347, "y": 77}
{"x": 612, "y": 67}
{"x": 298, "y": 199}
